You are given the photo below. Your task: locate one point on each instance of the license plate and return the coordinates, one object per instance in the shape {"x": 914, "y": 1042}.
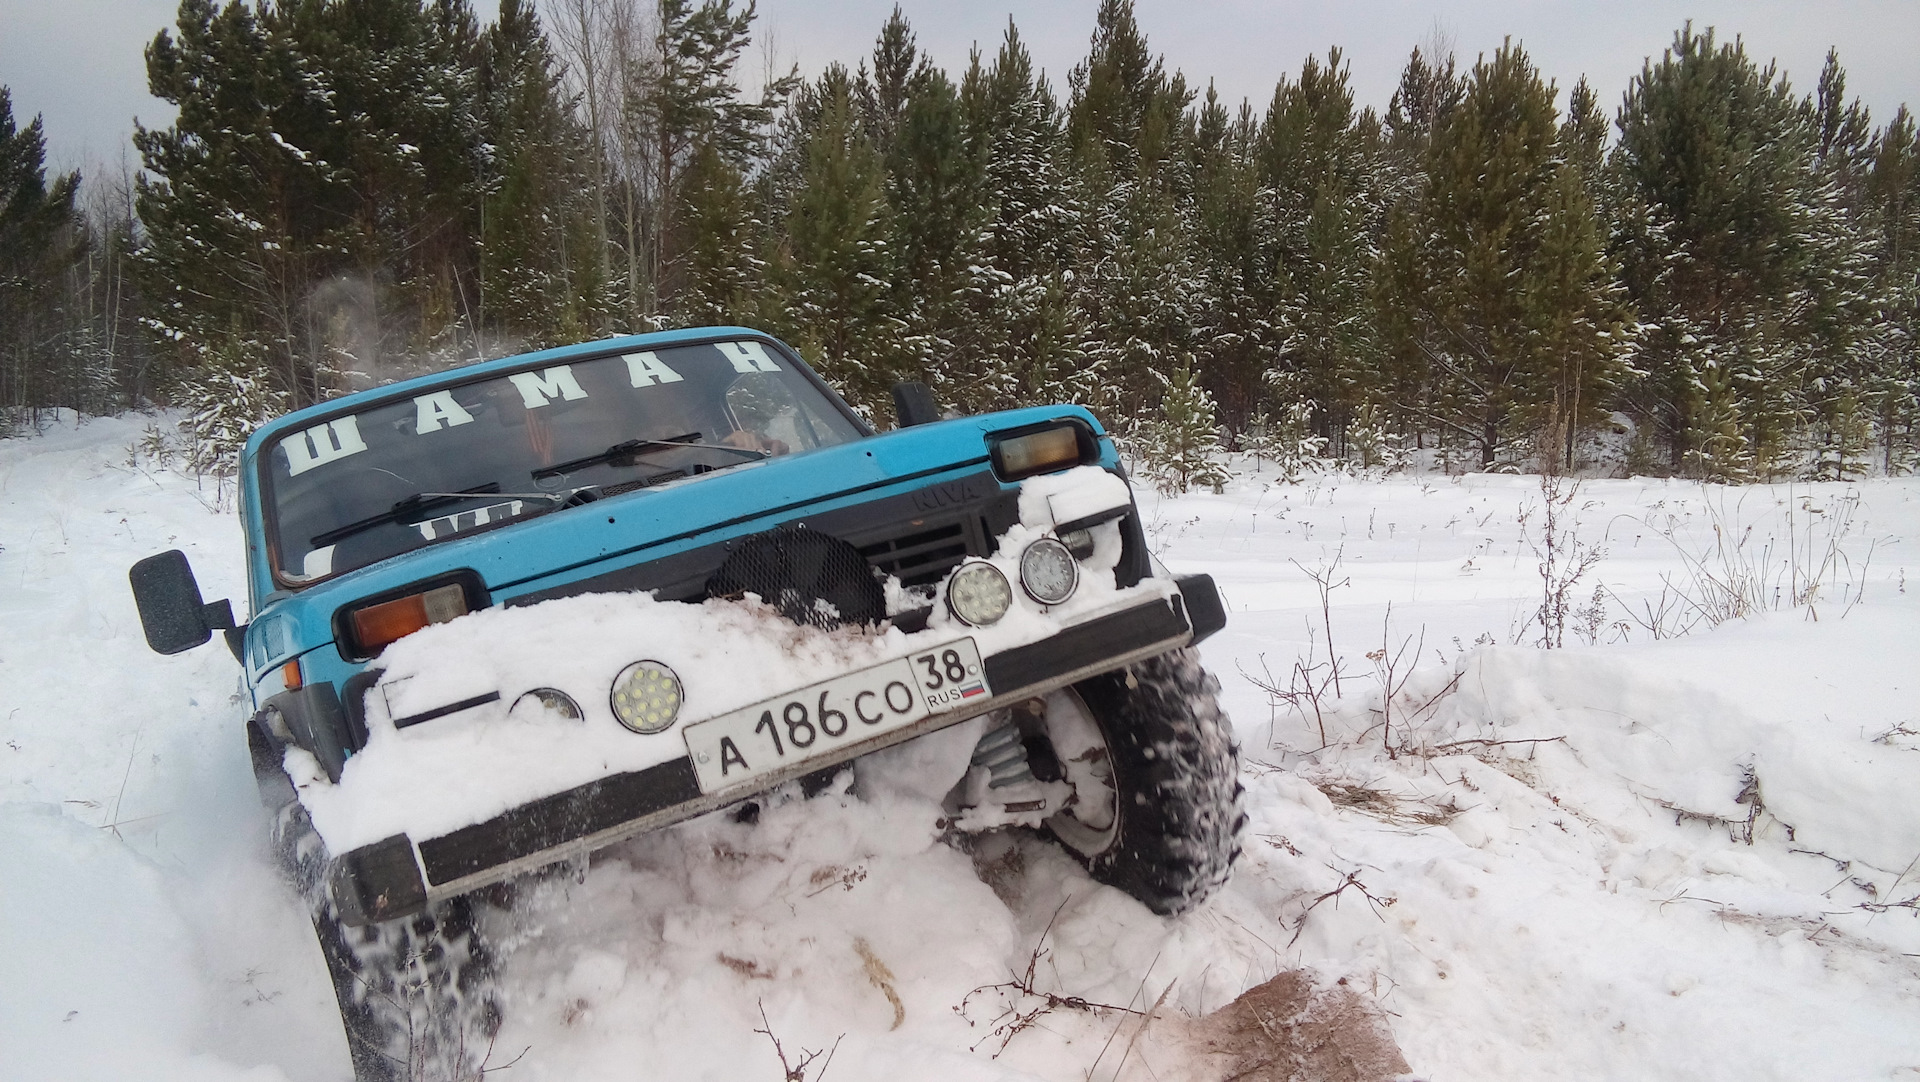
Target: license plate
{"x": 815, "y": 721}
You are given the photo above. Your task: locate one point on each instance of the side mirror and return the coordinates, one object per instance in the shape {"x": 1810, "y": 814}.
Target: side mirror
{"x": 171, "y": 612}
{"x": 913, "y": 404}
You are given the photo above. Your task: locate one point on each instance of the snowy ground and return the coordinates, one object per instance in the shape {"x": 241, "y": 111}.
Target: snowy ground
{"x": 1684, "y": 855}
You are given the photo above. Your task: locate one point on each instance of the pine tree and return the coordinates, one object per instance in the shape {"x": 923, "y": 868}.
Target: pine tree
{"x": 1136, "y": 277}
{"x": 1429, "y": 90}
{"x": 316, "y": 202}
{"x": 37, "y": 249}
{"x": 935, "y": 193}
{"x": 1031, "y": 339}
{"x": 542, "y": 276}
{"x": 1725, "y": 228}
{"x": 224, "y": 399}
{"x": 235, "y": 208}
{"x": 724, "y": 277}
{"x": 1836, "y": 348}
{"x": 1893, "y": 192}
{"x": 1719, "y": 449}
{"x": 1180, "y": 445}
{"x": 1320, "y": 168}
{"x": 884, "y": 93}
{"x": 1505, "y": 288}
{"x": 1230, "y": 223}
{"x": 834, "y": 264}
{"x": 683, "y": 95}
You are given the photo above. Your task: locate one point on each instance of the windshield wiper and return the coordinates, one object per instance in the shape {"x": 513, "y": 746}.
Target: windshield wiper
{"x": 632, "y": 449}
{"x": 413, "y": 509}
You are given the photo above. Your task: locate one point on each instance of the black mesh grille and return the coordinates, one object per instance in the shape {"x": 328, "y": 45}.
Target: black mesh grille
{"x": 920, "y": 559}
{"x": 810, "y": 577}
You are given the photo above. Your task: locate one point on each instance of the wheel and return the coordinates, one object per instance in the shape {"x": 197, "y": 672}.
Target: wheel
{"x": 415, "y": 995}
{"x": 1155, "y": 774}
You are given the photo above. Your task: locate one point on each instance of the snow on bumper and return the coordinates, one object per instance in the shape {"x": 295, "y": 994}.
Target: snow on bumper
{"x": 481, "y": 793}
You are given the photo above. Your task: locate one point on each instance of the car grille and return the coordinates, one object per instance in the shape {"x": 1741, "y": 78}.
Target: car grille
{"x": 922, "y": 558}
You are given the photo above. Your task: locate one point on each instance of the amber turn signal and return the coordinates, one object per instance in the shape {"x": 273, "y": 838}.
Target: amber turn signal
{"x": 377, "y": 625}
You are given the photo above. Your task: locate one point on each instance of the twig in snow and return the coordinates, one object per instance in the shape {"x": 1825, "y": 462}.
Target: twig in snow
{"x": 796, "y": 1072}
{"x": 1352, "y": 879}
{"x": 1145, "y": 1021}
{"x": 1013, "y": 1021}
{"x": 1324, "y": 584}
{"x": 1386, "y": 661}
{"x": 1497, "y": 743}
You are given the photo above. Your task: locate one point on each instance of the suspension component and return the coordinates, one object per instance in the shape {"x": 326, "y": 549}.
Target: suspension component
{"x": 1004, "y": 755}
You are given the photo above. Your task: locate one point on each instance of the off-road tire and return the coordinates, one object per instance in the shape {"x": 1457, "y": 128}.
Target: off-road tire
{"x": 1177, "y": 789}
{"x": 415, "y": 994}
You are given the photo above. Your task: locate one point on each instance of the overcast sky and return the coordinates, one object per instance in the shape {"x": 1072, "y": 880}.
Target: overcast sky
{"x": 78, "y": 62}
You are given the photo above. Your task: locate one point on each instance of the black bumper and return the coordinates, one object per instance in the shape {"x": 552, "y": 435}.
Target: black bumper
{"x": 564, "y": 825}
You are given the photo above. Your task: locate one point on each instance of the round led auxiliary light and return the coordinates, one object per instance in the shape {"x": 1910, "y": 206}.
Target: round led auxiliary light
{"x": 1049, "y": 571}
{"x": 646, "y": 696}
{"x": 979, "y": 594}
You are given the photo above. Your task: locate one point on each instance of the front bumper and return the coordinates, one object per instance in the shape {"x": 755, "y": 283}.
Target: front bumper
{"x": 398, "y": 876}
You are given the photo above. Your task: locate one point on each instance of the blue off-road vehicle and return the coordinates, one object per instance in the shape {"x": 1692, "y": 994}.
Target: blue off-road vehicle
{"x": 507, "y": 614}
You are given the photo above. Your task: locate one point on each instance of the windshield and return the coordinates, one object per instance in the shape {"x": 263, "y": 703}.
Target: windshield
{"x": 412, "y": 472}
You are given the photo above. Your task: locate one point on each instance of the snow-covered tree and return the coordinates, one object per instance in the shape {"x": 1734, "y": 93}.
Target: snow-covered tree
{"x": 1319, "y": 161}
{"x": 37, "y": 249}
{"x": 1181, "y": 445}
{"x": 833, "y": 263}
{"x": 1736, "y": 249}
{"x": 1497, "y": 275}
{"x": 542, "y": 275}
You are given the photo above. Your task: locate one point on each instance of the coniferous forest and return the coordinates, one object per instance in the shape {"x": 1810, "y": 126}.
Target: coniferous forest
{"x": 1494, "y": 270}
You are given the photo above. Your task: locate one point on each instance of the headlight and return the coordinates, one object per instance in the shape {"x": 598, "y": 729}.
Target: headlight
{"x": 550, "y": 699}
{"x": 978, "y": 593}
{"x": 646, "y": 696}
{"x": 1045, "y": 448}
{"x": 1048, "y": 571}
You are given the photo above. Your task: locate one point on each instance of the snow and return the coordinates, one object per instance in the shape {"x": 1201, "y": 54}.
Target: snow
{"x": 1684, "y": 856}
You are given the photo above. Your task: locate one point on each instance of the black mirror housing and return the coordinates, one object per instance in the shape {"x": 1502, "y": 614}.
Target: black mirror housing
{"x": 171, "y": 612}
{"x": 913, "y": 404}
